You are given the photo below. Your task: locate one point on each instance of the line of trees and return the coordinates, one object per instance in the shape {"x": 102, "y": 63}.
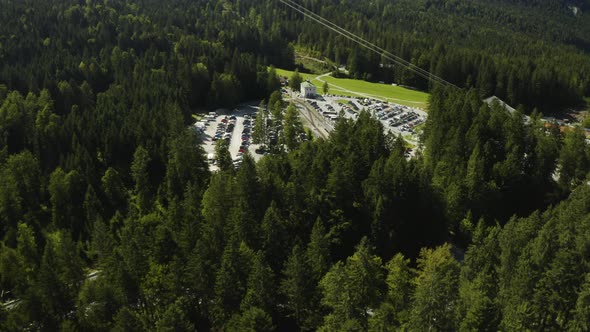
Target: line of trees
{"x": 535, "y": 55}
{"x": 530, "y": 54}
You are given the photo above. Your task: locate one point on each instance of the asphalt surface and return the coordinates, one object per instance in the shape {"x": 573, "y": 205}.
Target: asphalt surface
{"x": 320, "y": 125}
{"x": 236, "y": 137}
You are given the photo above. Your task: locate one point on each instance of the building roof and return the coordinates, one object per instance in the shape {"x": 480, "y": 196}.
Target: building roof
{"x": 307, "y": 85}
{"x": 492, "y": 99}
{"x": 501, "y": 102}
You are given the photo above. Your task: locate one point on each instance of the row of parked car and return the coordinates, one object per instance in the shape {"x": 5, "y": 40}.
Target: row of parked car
{"x": 330, "y": 114}
{"x": 225, "y": 128}
{"x": 245, "y": 140}
{"x": 407, "y": 121}
{"x": 348, "y": 108}
{"x": 367, "y": 101}
{"x": 225, "y": 131}
{"x": 388, "y": 114}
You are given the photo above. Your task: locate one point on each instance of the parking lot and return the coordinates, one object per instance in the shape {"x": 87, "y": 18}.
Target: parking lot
{"x": 398, "y": 119}
{"x": 320, "y": 114}
{"x": 235, "y": 127}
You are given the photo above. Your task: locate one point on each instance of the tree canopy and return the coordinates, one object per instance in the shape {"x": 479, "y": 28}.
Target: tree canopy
{"x": 110, "y": 218}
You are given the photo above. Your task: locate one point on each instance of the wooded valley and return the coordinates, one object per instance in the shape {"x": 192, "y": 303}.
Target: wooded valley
{"x": 111, "y": 220}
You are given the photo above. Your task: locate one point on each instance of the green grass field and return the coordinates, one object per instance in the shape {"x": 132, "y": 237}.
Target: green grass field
{"x": 358, "y": 88}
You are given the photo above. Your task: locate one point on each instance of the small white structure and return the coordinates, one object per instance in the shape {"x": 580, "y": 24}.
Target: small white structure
{"x": 490, "y": 100}
{"x": 308, "y": 90}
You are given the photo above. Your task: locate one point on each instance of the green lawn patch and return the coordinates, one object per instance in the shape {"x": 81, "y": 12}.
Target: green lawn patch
{"x": 387, "y": 92}
{"x": 357, "y": 88}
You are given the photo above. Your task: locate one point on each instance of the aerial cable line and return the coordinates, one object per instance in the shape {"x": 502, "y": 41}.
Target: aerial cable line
{"x": 366, "y": 44}
{"x": 363, "y": 42}
{"x": 421, "y": 72}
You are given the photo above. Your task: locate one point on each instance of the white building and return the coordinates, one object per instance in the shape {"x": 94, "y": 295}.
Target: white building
{"x": 308, "y": 90}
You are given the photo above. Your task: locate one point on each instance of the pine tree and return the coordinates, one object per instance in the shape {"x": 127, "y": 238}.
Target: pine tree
{"x": 261, "y": 287}
{"x": 394, "y": 310}
{"x": 292, "y": 127}
{"x": 252, "y": 320}
{"x": 92, "y": 209}
{"x": 275, "y": 237}
{"x": 175, "y": 318}
{"x": 141, "y": 178}
{"x": 318, "y": 251}
{"x": 260, "y": 132}
{"x": 97, "y": 303}
{"x": 435, "y": 297}
{"x": 59, "y": 279}
{"x": 298, "y": 289}
{"x": 581, "y": 319}
{"x": 295, "y": 80}
{"x": 273, "y": 83}
{"x": 223, "y": 157}
{"x": 114, "y": 189}
{"x": 231, "y": 281}
{"x": 573, "y": 159}
{"x": 351, "y": 289}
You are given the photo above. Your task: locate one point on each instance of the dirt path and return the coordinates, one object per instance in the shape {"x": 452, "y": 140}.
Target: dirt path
{"x": 309, "y": 58}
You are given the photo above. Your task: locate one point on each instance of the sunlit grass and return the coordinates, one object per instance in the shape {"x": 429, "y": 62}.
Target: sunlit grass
{"x": 357, "y": 88}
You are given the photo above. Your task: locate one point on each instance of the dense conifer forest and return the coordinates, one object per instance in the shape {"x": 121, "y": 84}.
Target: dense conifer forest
{"x": 111, "y": 220}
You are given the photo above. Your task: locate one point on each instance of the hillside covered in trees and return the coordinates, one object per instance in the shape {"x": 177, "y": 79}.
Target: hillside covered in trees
{"x": 531, "y": 53}
{"x": 111, "y": 220}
